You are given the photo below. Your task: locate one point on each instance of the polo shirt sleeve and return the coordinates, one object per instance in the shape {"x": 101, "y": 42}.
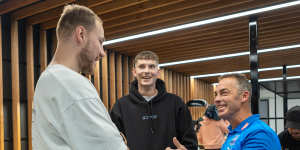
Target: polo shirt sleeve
{"x": 259, "y": 140}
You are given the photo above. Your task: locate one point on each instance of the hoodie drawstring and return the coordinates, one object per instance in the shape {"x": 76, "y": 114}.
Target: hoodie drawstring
{"x": 151, "y": 113}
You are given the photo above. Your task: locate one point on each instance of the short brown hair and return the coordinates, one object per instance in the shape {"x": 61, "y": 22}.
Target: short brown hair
{"x": 72, "y": 16}
{"x": 149, "y": 55}
{"x": 243, "y": 82}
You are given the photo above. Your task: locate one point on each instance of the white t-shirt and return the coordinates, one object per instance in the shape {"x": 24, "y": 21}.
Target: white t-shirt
{"x": 69, "y": 115}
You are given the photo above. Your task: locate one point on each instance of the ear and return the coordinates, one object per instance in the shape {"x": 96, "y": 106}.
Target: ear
{"x": 134, "y": 71}
{"x": 80, "y": 35}
{"x": 245, "y": 96}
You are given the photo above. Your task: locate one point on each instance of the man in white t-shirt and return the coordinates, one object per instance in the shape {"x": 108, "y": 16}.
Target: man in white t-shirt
{"x": 68, "y": 113}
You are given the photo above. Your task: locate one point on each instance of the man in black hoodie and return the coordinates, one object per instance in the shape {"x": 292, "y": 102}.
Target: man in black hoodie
{"x": 150, "y": 117}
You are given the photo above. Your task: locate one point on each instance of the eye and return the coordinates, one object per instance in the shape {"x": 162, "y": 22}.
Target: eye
{"x": 141, "y": 66}
{"x": 152, "y": 66}
{"x": 224, "y": 93}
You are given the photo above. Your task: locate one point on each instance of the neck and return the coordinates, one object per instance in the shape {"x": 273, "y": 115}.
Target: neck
{"x": 66, "y": 55}
{"x": 239, "y": 117}
{"x": 147, "y": 91}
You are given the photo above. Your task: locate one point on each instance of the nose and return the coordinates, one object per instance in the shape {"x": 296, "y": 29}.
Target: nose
{"x": 102, "y": 52}
{"x": 217, "y": 100}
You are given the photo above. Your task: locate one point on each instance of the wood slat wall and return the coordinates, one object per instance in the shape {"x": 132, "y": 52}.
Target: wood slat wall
{"x": 30, "y": 80}
{"x": 112, "y": 79}
{"x": 200, "y": 90}
{"x": 97, "y": 78}
{"x": 119, "y": 76}
{"x": 126, "y": 75}
{"x": 104, "y": 81}
{"x": 111, "y": 82}
{"x": 15, "y": 86}
{"x": 176, "y": 83}
{"x": 43, "y": 50}
{"x": 188, "y": 89}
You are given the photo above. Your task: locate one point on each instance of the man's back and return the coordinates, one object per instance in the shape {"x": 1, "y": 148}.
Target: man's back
{"x": 68, "y": 114}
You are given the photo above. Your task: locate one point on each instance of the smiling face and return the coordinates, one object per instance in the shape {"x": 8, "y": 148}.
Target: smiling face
{"x": 93, "y": 50}
{"x": 146, "y": 72}
{"x": 229, "y": 99}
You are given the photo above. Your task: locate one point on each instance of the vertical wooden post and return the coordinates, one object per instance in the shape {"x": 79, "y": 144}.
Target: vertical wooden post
{"x": 105, "y": 81}
{"x": 97, "y": 78}
{"x": 126, "y": 75}
{"x": 15, "y": 85}
{"x": 119, "y": 76}
{"x": 30, "y": 80}
{"x": 112, "y": 80}
{"x": 43, "y": 50}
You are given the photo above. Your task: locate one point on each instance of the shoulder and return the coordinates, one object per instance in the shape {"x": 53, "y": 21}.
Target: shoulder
{"x": 259, "y": 127}
{"x": 283, "y": 135}
{"x": 123, "y": 100}
{"x": 64, "y": 86}
{"x": 174, "y": 98}
{"x": 261, "y": 135}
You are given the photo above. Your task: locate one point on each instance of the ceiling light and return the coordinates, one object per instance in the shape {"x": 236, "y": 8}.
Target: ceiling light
{"x": 229, "y": 55}
{"x": 242, "y": 71}
{"x": 203, "y": 22}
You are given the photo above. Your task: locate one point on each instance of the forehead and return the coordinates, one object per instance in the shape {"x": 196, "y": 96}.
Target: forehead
{"x": 98, "y": 30}
{"x": 227, "y": 83}
{"x": 145, "y": 61}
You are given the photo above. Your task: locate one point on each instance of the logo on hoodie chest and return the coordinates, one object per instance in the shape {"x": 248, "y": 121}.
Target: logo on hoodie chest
{"x": 147, "y": 117}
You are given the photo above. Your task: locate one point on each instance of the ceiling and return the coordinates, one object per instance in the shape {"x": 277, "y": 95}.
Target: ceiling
{"x": 128, "y": 17}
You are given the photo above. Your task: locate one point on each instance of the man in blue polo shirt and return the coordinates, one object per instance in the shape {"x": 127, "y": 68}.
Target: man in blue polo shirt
{"x": 246, "y": 131}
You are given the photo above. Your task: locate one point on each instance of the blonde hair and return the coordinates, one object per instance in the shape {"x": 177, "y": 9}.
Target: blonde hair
{"x": 148, "y": 55}
{"x": 72, "y": 16}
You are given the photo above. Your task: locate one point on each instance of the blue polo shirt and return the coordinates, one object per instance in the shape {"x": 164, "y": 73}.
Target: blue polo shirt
{"x": 252, "y": 134}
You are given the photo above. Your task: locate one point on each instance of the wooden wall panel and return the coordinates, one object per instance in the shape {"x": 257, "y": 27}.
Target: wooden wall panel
{"x": 1, "y": 94}
{"x": 104, "y": 72}
{"x": 181, "y": 86}
{"x": 54, "y": 42}
{"x": 170, "y": 82}
{"x": 119, "y": 76}
{"x": 192, "y": 85}
{"x": 14, "y": 4}
{"x": 112, "y": 85}
{"x": 97, "y": 77}
{"x": 131, "y": 66}
{"x": 162, "y": 74}
{"x": 200, "y": 90}
{"x": 166, "y": 79}
{"x": 30, "y": 79}
{"x": 15, "y": 86}
{"x": 184, "y": 89}
{"x": 43, "y": 50}
{"x": 126, "y": 75}
{"x": 174, "y": 85}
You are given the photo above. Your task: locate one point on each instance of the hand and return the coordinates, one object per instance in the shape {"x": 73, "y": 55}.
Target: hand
{"x": 177, "y": 144}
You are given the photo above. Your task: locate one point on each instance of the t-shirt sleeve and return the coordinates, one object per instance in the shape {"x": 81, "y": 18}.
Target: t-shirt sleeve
{"x": 87, "y": 126}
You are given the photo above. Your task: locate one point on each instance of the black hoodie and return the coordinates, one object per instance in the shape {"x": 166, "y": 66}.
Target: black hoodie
{"x": 152, "y": 125}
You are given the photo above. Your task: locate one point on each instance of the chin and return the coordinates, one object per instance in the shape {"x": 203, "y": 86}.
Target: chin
{"x": 222, "y": 115}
